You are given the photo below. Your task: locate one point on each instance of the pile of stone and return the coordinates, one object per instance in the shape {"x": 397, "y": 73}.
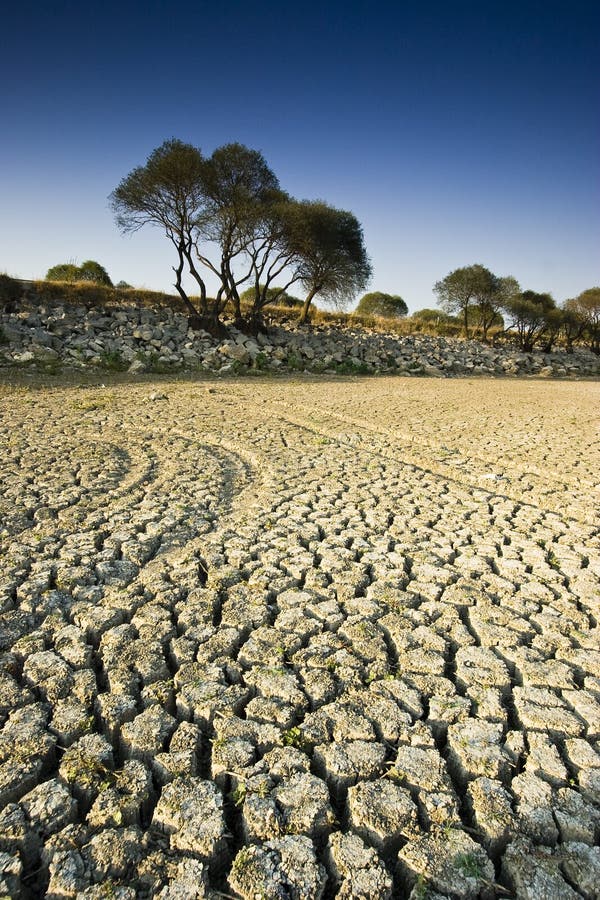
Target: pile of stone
{"x": 141, "y": 340}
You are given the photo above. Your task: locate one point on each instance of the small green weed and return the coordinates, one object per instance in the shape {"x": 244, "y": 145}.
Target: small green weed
{"x": 469, "y": 864}
{"x": 112, "y": 361}
{"x": 350, "y": 368}
{"x": 294, "y": 737}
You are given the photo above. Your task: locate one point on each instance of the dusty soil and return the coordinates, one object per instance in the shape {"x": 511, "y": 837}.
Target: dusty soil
{"x": 299, "y": 638}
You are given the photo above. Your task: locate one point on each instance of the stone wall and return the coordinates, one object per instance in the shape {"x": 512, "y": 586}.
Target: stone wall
{"x": 53, "y": 337}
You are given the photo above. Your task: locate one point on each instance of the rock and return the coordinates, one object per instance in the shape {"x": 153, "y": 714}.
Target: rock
{"x": 382, "y": 813}
{"x": 533, "y": 872}
{"x": 190, "y": 811}
{"x": 285, "y": 868}
{"x": 356, "y": 869}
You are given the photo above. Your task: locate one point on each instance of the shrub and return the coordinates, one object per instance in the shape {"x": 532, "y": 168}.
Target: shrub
{"x": 112, "y": 361}
{"x": 90, "y": 270}
{"x": 63, "y": 272}
{"x": 10, "y": 290}
{"x": 388, "y": 306}
{"x": 85, "y": 293}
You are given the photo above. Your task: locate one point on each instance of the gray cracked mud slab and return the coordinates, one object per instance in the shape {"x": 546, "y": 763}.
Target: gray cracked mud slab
{"x": 300, "y": 639}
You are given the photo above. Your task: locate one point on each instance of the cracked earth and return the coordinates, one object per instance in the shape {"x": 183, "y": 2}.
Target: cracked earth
{"x": 300, "y": 638}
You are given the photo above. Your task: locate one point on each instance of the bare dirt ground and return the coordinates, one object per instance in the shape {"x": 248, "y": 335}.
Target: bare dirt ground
{"x": 300, "y": 638}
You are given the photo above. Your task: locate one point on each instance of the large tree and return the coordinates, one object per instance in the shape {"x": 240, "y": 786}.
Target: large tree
{"x": 475, "y": 288}
{"x": 587, "y": 308}
{"x": 377, "y": 303}
{"x": 532, "y": 316}
{"x": 242, "y": 201}
{"x": 332, "y": 259}
{"x": 492, "y": 299}
{"x": 168, "y": 192}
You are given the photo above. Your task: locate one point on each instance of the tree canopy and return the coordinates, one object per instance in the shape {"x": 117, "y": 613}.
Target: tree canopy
{"x": 530, "y": 316}
{"x": 475, "y": 287}
{"x": 332, "y": 258}
{"x": 90, "y": 270}
{"x": 229, "y": 215}
{"x": 586, "y": 308}
{"x": 377, "y": 303}
{"x": 167, "y": 192}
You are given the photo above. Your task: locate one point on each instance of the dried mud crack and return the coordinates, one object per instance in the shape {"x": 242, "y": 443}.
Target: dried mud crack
{"x": 299, "y": 639}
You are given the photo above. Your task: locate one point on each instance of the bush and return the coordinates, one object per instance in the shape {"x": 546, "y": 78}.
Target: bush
{"x": 85, "y": 293}
{"x": 388, "y": 306}
{"x": 63, "y": 272}
{"x": 90, "y": 270}
{"x": 10, "y": 290}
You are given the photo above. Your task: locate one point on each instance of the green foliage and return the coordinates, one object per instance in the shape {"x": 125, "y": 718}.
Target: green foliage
{"x": 388, "y": 306}
{"x": 332, "y": 258}
{"x": 82, "y": 293}
{"x": 167, "y": 192}
{"x": 239, "y": 795}
{"x": 475, "y": 286}
{"x": 261, "y": 361}
{"x": 3, "y": 338}
{"x": 350, "y": 368}
{"x": 294, "y": 737}
{"x": 228, "y": 214}
{"x": 469, "y": 864}
{"x": 273, "y": 295}
{"x": 112, "y": 361}
{"x": 586, "y": 308}
{"x": 294, "y": 362}
{"x": 10, "y": 290}
{"x": 531, "y": 316}
{"x": 123, "y": 286}
{"x": 90, "y": 271}
{"x": 63, "y": 272}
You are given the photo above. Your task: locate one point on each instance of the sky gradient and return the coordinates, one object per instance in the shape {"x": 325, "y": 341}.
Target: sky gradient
{"x": 457, "y": 132}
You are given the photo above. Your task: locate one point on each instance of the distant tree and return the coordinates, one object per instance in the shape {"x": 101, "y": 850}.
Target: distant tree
{"x": 333, "y": 261}
{"x": 531, "y": 316}
{"x": 63, "y": 272}
{"x": 388, "y": 306}
{"x": 168, "y": 192}
{"x": 432, "y": 315}
{"x": 463, "y": 288}
{"x": 274, "y": 294}
{"x": 494, "y": 294}
{"x": 573, "y": 322}
{"x": 123, "y": 285}
{"x": 474, "y": 289}
{"x": 90, "y": 270}
{"x": 587, "y": 307}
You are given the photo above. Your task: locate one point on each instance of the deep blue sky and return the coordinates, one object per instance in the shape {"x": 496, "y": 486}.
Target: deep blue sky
{"x": 457, "y": 132}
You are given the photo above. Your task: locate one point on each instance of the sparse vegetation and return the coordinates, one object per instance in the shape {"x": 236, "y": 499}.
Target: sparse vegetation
{"x": 386, "y": 306}
{"x": 89, "y": 271}
{"x": 228, "y": 215}
{"x": 10, "y": 291}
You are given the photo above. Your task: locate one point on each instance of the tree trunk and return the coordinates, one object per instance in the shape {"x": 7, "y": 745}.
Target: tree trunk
{"x": 466, "y": 320}
{"x": 186, "y": 300}
{"x": 305, "y": 308}
{"x": 197, "y": 277}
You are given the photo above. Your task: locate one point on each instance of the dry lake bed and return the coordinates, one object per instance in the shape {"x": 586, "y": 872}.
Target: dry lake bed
{"x": 300, "y": 638}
